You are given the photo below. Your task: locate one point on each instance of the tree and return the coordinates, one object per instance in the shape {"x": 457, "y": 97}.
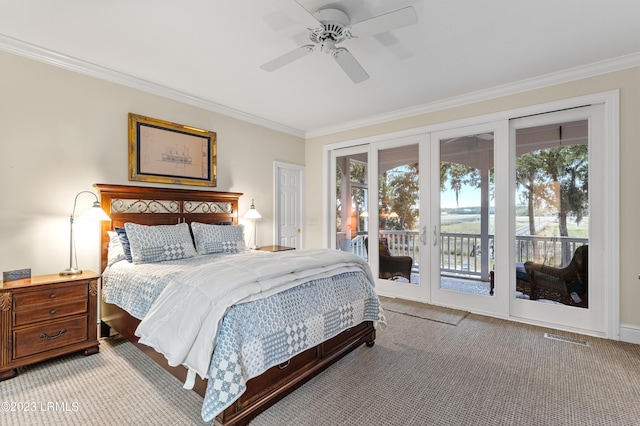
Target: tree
{"x": 556, "y": 178}
{"x": 458, "y": 175}
{"x": 527, "y": 175}
{"x": 399, "y": 193}
{"x": 356, "y": 173}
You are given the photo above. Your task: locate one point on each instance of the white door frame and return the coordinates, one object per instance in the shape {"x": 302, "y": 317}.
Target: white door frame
{"x": 277, "y": 167}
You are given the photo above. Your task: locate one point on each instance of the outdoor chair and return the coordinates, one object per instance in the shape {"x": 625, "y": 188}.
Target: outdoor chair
{"x": 522, "y": 280}
{"x": 570, "y": 281}
{"x": 391, "y": 266}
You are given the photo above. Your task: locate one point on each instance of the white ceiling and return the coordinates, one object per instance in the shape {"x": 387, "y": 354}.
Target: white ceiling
{"x": 210, "y": 51}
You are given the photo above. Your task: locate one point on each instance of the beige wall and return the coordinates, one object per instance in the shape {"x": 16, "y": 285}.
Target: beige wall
{"x": 61, "y": 132}
{"x": 628, "y": 81}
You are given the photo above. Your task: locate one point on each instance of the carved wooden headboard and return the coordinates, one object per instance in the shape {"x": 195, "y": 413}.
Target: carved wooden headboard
{"x": 162, "y": 206}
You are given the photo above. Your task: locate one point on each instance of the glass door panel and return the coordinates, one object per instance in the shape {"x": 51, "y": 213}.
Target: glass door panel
{"x": 552, "y": 212}
{"x": 399, "y": 214}
{"x": 467, "y": 213}
{"x": 351, "y": 200}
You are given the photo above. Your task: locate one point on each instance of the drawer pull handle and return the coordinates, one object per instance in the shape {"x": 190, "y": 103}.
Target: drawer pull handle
{"x": 284, "y": 365}
{"x": 53, "y": 296}
{"x": 60, "y": 333}
{"x": 52, "y": 312}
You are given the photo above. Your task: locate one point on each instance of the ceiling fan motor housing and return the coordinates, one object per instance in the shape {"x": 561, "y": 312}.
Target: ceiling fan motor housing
{"x": 333, "y": 29}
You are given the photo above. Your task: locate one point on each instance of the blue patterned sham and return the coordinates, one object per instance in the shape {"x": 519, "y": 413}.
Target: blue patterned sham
{"x": 159, "y": 243}
{"x": 122, "y": 234}
{"x": 218, "y": 238}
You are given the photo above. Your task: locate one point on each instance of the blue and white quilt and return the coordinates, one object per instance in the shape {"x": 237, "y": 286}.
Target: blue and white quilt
{"x": 232, "y": 317}
{"x": 258, "y": 335}
{"x": 135, "y": 288}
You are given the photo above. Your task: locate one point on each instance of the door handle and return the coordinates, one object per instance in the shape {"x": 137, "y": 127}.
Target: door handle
{"x": 423, "y": 236}
{"x": 435, "y": 235}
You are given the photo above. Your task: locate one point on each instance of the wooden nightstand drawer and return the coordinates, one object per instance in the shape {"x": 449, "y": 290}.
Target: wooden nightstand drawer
{"x": 49, "y": 295}
{"x": 50, "y": 311}
{"x": 45, "y": 316}
{"x": 50, "y": 335}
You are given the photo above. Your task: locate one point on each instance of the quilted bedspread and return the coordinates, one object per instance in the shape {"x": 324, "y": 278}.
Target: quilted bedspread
{"x": 258, "y": 335}
{"x": 257, "y": 311}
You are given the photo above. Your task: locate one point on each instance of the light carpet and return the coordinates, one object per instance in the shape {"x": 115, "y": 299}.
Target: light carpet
{"x": 117, "y": 386}
{"x": 423, "y": 311}
{"x": 484, "y": 371}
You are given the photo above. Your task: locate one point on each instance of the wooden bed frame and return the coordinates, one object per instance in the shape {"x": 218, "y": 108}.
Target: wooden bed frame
{"x": 156, "y": 206}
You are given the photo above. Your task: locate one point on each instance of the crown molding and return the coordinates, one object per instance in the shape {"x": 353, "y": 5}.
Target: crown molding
{"x": 21, "y": 48}
{"x": 565, "y": 76}
{"x": 31, "y": 51}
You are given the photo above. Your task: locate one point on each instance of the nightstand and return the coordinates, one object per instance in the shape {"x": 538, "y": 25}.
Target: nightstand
{"x": 47, "y": 316}
{"x": 275, "y": 248}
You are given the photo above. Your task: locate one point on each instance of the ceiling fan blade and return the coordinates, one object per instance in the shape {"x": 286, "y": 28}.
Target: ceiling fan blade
{"x": 387, "y": 22}
{"x": 287, "y": 58}
{"x": 350, "y": 65}
{"x": 298, "y": 13}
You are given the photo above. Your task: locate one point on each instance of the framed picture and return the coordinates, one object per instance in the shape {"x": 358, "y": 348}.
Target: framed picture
{"x": 165, "y": 152}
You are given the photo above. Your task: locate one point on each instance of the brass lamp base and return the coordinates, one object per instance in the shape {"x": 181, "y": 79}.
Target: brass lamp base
{"x": 71, "y": 271}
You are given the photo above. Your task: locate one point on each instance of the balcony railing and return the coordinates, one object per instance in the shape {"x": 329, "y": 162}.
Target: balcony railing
{"x": 461, "y": 254}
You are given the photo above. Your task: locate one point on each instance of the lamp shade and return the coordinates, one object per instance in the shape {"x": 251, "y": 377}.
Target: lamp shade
{"x": 94, "y": 213}
{"x": 252, "y": 213}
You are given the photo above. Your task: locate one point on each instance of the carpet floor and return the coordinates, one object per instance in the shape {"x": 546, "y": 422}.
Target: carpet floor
{"x": 482, "y": 371}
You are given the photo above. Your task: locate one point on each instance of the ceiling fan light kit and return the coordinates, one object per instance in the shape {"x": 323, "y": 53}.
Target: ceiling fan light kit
{"x": 329, "y": 27}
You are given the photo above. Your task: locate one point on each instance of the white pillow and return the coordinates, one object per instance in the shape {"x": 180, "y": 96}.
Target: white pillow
{"x": 159, "y": 243}
{"x": 218, "y": 238}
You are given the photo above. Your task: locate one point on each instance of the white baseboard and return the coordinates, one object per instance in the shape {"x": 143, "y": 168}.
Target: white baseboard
{"x": 630, "y": 333}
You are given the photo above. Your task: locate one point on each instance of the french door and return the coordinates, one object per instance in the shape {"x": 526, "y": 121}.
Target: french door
{"x": 451, "y": 217}
{"x": 378, "y": 200}
{"x": 400, "y": 203}
{"x": 556, "y": 159}
{"x": 463, "y": 216}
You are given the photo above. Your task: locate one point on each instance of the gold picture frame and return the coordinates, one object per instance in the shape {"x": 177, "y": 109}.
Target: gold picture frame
{"x": 165, "y": 152}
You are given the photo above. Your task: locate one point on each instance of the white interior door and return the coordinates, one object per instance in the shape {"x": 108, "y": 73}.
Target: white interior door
{"x": 289, "y": 184}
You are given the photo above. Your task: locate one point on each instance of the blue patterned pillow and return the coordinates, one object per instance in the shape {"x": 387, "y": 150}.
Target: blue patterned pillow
{"x": 159, "y": 243}
{"x": 218, "y": 238}
{"x": 126, "y": 247}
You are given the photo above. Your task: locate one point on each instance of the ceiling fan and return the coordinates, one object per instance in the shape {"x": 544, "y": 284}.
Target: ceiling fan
{"x": 329, "y": 27}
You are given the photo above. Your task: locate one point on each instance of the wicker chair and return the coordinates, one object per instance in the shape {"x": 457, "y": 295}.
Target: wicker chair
{"x": 391, "y": 266}
{"x": 571, "y": 279}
